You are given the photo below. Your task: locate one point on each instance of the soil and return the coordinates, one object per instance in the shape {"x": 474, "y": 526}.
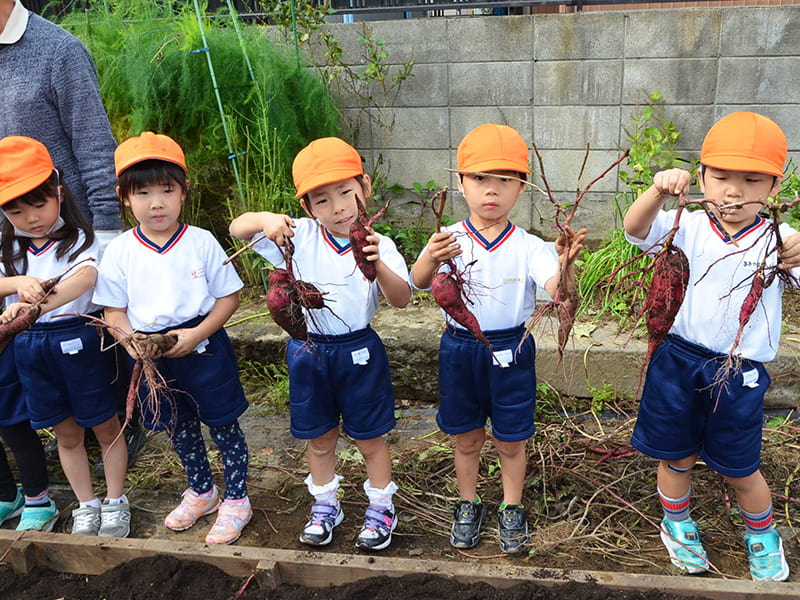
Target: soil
{"x": 167, "y": 578}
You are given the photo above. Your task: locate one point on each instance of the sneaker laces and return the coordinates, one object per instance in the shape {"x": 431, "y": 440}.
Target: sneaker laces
{"x": 85, "y": 519}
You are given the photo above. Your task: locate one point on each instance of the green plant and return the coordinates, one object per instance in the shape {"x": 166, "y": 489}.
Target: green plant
{"x": 267, "y": 385}
{"x": 411, "y": 239}
{"x": 151, "y": 60}
{"x": 652, "y": 138}
{"x": 602, "y": 396}
{"x": 790, "y": 189}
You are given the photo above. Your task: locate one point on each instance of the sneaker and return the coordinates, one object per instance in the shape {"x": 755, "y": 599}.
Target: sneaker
{"x": 86, "y": 521}
{"x": 767, "y": 561}
{"x": 192, "y": 507}
{"x": 682, "y": 540}
{"x": 9, "y": 510}
{"x": 51, "y": 452}
{"x": 512, "y": 526}
{"x": 467, "y": 520}
{"x": 376, "y": 534}
{"x": 319, "y": 529}
{"x": 231, "y": 519}
{"x": 115, "y": 520}
{"x": 40, "y": 518}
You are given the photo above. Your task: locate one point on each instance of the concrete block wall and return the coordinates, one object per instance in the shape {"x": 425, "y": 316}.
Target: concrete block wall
{"x": 565, "y": 80}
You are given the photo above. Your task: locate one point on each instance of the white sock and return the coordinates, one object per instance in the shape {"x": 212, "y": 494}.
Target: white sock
{"x": 328, "y": 493}
{"x": 112, "y": 501}
{"x": 381, "y": 497}
{"x": 94, "y": 503}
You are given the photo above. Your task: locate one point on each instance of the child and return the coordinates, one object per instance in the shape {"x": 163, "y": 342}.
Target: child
{"x": 343, "y": 370}
{"x": 168, "y": 277}
{"x": 506, "y": 264}
{"x": 694, "y": 414}
{"x": 67, "y": 380}
{"x": 37, "y": 510}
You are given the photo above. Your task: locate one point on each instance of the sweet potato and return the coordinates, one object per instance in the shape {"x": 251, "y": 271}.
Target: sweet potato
{"x": 284, "y": 304}
{"x": 24, "y": 319}
{"x": 665, "y": 294}
{"x": 359, "y": 230}
{"x": 448, "y": 291}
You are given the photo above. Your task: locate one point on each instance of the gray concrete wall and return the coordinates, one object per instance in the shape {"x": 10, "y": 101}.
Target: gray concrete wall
{"x": 565, "y": 80}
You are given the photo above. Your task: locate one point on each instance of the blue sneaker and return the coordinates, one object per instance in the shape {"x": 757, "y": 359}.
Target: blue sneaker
{"x": 682, "y": 540}
{"x": 41, "y": 518}
{"x": 9, "y": 510}
{"x": 765, "y": 551}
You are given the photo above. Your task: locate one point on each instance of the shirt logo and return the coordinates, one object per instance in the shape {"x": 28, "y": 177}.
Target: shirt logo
{"x": 198, "y": 273}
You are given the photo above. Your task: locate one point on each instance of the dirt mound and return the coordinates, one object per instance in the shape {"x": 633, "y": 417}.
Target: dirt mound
{"x": 168, "y": 578}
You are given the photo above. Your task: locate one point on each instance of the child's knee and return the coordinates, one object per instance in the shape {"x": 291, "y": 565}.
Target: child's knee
{"x": 471, "y": 441}
{"x": 510, "y": 450}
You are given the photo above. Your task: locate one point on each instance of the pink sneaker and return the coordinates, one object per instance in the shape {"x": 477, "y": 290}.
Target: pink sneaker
{"x": 231, "y": 519}
{"x": 192, "y": 507}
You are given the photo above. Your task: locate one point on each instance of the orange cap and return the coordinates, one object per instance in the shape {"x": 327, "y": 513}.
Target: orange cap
{"x": 492, "y": 147}
{"x": 25, "y": 164}
{"x": 325, "y": 160}
{"x": 148, "y": 146}
{"x": 745, "y": 141}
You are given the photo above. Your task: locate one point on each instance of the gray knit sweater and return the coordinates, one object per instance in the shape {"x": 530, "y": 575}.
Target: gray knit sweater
{"x": 49, "y": 91}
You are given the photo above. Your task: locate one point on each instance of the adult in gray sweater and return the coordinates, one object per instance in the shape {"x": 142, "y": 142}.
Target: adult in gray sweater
{"x": 49, "y": 92}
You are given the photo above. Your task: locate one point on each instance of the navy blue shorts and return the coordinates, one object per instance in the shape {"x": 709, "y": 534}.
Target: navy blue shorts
{"x": 474, "y": 388}
{"x": 684, "y": 411}
{"x": 204, "y": 385}
{"x": 341, "y": 375}
{"x": 12, "y": 400}
{"x": 65, "y": 374}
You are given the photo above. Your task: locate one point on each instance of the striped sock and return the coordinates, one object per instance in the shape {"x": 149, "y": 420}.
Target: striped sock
{"x": 38, "y": 499}
{"x": 676, "y": 509}
{"x": 757, "y": 522}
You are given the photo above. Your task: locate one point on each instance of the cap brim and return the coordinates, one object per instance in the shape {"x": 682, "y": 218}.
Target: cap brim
{"x": 741, "y": 163}
{"x": 325, "y": 178}
{"x": 23, "y": 186}
{"x": 139, "y": 159}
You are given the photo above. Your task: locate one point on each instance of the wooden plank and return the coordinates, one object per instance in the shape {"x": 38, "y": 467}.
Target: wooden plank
{"x": 87, "y": 555}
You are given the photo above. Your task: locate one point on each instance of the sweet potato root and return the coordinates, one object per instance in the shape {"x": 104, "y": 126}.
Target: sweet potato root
{"x": 24, "y": 319}
{"x": 448, "y": 291}
{"x": 359, "y": 230}
{"x": 287, "y": 296}
{"x": 665, "y": 295}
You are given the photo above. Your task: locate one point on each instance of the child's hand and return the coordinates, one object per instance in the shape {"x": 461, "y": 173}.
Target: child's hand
{"x": 672, "y": 182}
{"x": 789, "y": 256}
{"x": 569, "y": 244}
{"x": 443, "y": 246}
{"x": 187, "y": 342}
{"x": 29, "y": 289}
{"x": 11, "y": 311}
{"x": 139, "y": 348}
{"x": 277, "y": 227}
{"x": 371, "y": 251}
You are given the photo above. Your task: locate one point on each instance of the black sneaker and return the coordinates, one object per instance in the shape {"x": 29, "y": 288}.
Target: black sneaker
{"x": 376, "y": 534}
{"x": 51, "y": 452}
{"x": 135, "y": 436}
{"x": 467, "y": 520}
{"x": 512, "y": 525}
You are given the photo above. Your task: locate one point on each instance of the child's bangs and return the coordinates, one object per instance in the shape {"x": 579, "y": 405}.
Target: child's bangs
{"x": 151, "y": 172}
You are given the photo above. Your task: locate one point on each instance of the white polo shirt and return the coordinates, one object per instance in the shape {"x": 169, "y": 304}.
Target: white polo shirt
{"x": 327, "y": 262}
{"x": 720, "y": 276}
{"x": 163, "y": 287}
{"x": 502, "y": 282}
{"x": 43, "y": 263}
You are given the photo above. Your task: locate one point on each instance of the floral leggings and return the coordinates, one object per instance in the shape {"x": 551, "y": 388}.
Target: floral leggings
{"x": 187, "y": 439}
